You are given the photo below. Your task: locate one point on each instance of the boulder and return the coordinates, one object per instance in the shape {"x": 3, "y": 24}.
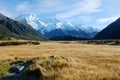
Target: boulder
{"x": 17, "y": 69}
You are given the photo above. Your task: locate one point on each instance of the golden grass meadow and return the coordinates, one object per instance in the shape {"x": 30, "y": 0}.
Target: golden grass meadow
{"x": 73, "y": 60}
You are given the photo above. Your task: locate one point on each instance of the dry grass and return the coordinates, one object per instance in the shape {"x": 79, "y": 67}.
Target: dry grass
{"x": 18, "y": 42}
{"x": 84, "y": 61}
{"x": 46, "y": 68}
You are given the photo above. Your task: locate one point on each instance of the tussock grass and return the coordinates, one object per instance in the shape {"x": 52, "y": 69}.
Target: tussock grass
{"x": 40, "y": 68}
{"x": 102, "y": 42}
{"x": 20, "y": 42}
{"x": 71, "y": 61}
{"x": 49, "y": 67}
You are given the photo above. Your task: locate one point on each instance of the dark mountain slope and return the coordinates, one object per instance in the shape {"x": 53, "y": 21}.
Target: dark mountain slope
{"x": 15, "y": 29}
{"x": 112, "y": 31}
{"x": 54, "y": 33}
{"x": 68, "y": 38}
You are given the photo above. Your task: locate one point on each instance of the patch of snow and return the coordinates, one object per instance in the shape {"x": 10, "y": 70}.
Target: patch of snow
{"x": 59, "y": 24}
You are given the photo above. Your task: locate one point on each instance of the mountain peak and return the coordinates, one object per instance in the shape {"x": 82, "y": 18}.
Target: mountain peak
{"x": 118, "y": 20}
{"x": 10, "y": 28}
{"x": 50, "y": 20}
{"x": 24, "y": 16}
{"x": 54, "y": 25}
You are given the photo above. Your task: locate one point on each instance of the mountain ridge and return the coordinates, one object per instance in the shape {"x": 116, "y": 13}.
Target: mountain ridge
{"x": 52, "y": 25}
{"x": 112, "y": 31}
{"x": 10, "y": 28}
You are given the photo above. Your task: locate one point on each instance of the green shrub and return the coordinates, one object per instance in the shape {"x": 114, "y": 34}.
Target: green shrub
{"x": 4, "y": 68}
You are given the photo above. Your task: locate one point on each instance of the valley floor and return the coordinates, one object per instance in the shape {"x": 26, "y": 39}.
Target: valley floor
{"x": 88, "y": 61}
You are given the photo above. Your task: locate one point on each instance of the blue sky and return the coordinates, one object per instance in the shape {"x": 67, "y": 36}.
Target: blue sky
{"x": 95, "y": 13}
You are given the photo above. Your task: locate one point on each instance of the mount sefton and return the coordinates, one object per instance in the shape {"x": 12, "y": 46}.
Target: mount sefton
{"x": 52, "y": 27}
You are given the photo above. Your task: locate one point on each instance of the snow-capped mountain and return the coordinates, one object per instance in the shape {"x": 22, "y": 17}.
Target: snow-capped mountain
{"x": 54, "y": 27}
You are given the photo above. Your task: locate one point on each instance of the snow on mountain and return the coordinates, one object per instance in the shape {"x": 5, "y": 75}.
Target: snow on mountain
{"x": 86, "y": 28}
{"x": 53, "y": 26}
{"x": 59, "y": 25}
{"x": 30, "y": 19}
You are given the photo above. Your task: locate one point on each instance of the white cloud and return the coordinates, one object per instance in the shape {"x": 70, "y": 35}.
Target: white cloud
{"x": 5, "y": 12}
{"x": 101, "y": 23}
{"x": 50, "y": 6}
{"x": 111, "y": 7}
{"x": 41, "y": 6}
{"x": 86, "y": 18}
{"x": 107, "y": 20}
{"x": 62, "y": 10}
{"x": 85, "y": 7}
{"x": 22, "y": 7}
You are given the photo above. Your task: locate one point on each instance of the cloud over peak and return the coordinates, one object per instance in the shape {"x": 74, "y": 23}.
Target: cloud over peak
{"x": 85, "y": 7}
{"x": 92, "y": 12}
{"x": 108, "y": 19}
{"x": 22, "y": 7}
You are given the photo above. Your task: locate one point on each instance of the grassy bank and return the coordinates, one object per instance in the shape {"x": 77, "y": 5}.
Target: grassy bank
{"x": 18, "y": 42}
